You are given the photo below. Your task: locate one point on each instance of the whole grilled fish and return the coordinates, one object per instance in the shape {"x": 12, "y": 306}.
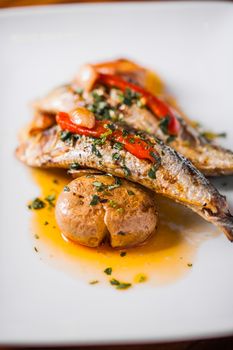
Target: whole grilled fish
{"x": 175, "y": 177}
{"x": 209, "y": 158}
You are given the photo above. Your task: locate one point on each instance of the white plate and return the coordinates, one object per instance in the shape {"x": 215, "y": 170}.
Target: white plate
{"x": 190, "y": 45}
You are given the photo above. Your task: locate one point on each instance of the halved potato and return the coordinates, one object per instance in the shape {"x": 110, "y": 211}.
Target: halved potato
{"x": 95, "y": 207}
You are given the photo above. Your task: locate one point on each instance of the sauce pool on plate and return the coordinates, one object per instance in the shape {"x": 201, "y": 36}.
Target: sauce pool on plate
{"x": 165, "y": 258}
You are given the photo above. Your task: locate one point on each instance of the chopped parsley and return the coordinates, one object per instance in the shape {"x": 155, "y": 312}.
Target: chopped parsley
{"x": 108, "y": 271}
{"x": 140, "y": 278}
{"x": 65, "y": 135}
{"x": 125, "y": 133}
{"x": 93, "y": 282}
{"x": 96, "y": 151}
{"x": 123, "y": 285}
{"x": 114, "y": 282}
{"x": 126, "y": 170}
{"x": 36, "y": 204}
{"x": 113, "y": 204}
{"x": 152, "y": 172}
{"x": 66, "y": 189}
{"x": 118, "y": 145}
{"x": 118, "y": 183}
{"x": 95, "y": 200}
{"x": 111, "y": 126}
{"x": 116, "y": 156}
{"x": 130, "y": 96}
{"x": 74, "y": 166}
{"x": 99, "y": 186}
{"x": 164, "y": 125}
{"x": 212, "y": 135}
{"x": 50, "y": 199}
{"x": 131, "y": 140}
{"x": 119, "y": 285}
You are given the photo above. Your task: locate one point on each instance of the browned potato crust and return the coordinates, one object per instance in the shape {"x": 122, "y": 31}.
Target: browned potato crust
{"x": 125, "y": 214}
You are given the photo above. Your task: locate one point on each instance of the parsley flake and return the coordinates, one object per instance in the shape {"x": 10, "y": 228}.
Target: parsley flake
{"x": 36, "y": 204}
{"x": 108, "y": 271}
{"x": 95, "y": 200}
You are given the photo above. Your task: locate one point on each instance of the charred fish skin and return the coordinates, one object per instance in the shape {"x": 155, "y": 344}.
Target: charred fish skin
{"x": 209, "y": 158}
{"x": 175, "y": 176}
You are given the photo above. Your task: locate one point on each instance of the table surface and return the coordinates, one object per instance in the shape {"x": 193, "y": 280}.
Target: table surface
{"x": 211, "y": 344}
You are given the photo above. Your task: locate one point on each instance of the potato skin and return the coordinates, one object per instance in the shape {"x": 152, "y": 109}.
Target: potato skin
{"x": 126, "y": 215}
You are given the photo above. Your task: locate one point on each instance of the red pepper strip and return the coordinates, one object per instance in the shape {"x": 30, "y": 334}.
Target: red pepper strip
{"x": 63, "y": 119}
{"x": 132, "y": 143}
{"x": 135, "y": 145}
{"x": 157, "y": 106}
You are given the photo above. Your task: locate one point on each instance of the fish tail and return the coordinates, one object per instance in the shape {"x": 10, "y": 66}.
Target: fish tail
{"x": 225, "y": 223}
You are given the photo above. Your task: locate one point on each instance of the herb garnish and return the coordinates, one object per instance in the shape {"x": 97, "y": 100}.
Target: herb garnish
{"x": 114, "y": 282}
{"x": 74, "y": 166}
{"x": 118, "y": 183}
{"x": 212, "y": 135}
{"x": 125, "y": 132}
{"x": 94, "y": 282}
{"x": 108, "y": 271}
{"x": 152, "y": 172}
{"x": 95, "y": 200}
{"x": 116, "y": 156}
{"x": 164, "y": 124}
{"x": 126, "y": 170}
{"x": 99, "y": 186}
{"x": 66, "y": 189}
{"x": 65, "y": 135}
{"x": 113, "y": 204}
{"x": 37, "y": 203}
{"x": 118, "y": 145}
{"x": 120, "y": 285}
{"x": 50, "y": 199}
{"x": 96, "y": 151}
{"x": 130, "y": 96}
{"x": 140, "y": 278}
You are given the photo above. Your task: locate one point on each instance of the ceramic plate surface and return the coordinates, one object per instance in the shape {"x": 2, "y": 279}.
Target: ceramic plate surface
{"x": 190, "y": 45}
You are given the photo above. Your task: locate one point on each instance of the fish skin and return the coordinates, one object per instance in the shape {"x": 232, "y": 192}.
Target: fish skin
{"x": 210, "y": 158}
{"x": 176, "y": 177}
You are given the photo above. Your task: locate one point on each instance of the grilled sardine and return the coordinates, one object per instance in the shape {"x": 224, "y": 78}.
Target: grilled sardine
{"x": 175, "y": 176}
{"x": 208, "y": 157}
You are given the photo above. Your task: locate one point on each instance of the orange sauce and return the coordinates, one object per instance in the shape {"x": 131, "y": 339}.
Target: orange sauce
{"x": 164, "y": 259}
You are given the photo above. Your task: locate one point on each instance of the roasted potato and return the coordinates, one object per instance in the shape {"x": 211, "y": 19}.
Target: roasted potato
{"x": 94, "y": 208}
